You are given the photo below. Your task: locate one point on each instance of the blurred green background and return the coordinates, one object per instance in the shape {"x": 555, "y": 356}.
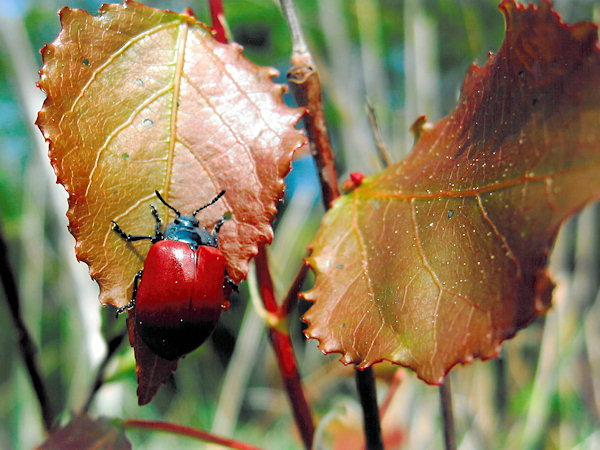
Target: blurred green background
{"x": 408, "y": 58}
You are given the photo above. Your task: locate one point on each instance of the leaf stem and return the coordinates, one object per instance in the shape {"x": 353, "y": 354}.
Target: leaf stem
{"x": 447, "y": 414}
{"x": 292, "y": 296}
{"x": 384, "y": 155}
{"x": 187, "y": 431}
{"x": 365, "y": 384}
{"x": 27, "y": 347}
{"x": 218, "y": 20}
{"x": 282, "y": 345}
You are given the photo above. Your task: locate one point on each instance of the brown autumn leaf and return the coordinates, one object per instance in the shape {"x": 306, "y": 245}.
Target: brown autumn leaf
{"x": 441, "y": 257}
{"x": 152, "y": 370}
{"x": 86, "y": 432}
{"x": 140, "y": 99}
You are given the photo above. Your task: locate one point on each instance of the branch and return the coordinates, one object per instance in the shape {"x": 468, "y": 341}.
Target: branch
{"x": 27, "y": 347}
{"x": 282, "y": 345}
{"x": 305, "y": 86}
{"x": 187, "y": 431}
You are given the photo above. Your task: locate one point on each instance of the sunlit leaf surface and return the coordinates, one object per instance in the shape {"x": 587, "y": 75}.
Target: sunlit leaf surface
{"x": 441, "y": 257}
{"x": 141, "y": 99}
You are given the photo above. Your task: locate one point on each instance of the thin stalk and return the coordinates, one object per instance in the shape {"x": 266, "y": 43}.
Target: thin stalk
{"x": 384, "y": 155}
{"x": 292, "y": 296}
{"x": 27, "y": 347}
{"x": 187, "y": 431}
{"x": 218, "y": 20}
{"x": 113, "y": 346}
{"x": 305, "y": 85}
{"x": 365, "y": 384}
{"x": 298, "y": 42}
{"x": 447, "y": 415}
{"x": 282, "y": 345}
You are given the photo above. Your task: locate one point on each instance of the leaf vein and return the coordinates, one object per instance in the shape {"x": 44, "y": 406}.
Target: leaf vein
{"x": 509, "y": 252}
{"x": 111, "y": 58}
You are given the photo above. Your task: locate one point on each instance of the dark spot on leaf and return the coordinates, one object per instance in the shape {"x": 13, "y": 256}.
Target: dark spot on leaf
{"x": 148, "y": 122}
{"x": 85, "y": 62}
{"x": 450, "y": 213}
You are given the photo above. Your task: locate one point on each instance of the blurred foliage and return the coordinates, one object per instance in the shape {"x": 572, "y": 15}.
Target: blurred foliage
{"x": 551, "y": 375}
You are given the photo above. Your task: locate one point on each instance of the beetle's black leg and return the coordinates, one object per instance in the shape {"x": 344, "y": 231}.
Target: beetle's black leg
{"x": 131, "y": 304}
{"x": 218, "y": 225}
{"x": 136, "y": 282}
{"x": 229, "y": 282}
{"x": 129, "y": 237}
{"x": 215, "y": 234}
{"x": 158, "y": 227}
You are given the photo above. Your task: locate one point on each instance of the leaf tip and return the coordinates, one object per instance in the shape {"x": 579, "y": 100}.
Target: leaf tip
{"x": 419, "y": 126}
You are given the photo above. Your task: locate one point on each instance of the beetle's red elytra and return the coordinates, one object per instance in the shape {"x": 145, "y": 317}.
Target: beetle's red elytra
{"x": 179, "y": 295}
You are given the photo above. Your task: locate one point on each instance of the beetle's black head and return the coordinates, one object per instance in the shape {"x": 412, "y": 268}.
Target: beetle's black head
{"x": 186, "y": 221}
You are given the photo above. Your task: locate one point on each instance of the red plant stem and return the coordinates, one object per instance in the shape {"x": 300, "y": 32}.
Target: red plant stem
{"x": 265, "y": 282}
{"x": 282, "y": 345}
{"x": 187, "y": 431}
{"x": 280, "y": 338}
{"x": 27, "y": 347}
{"x": 292, "y": 295}
{"x": 217, "y": 17}
{"x": 305, "y": 85}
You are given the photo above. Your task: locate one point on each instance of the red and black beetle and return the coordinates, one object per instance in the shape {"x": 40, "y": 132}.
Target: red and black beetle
{"x": 178, "y": 296}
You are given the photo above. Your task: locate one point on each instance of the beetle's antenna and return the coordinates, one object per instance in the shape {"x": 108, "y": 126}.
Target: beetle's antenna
{"x": 214, "y": 200}
{"x": 166, "y": 204}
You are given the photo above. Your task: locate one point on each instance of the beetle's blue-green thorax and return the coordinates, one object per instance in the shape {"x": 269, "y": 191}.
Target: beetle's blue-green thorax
{"x": 186, "y": 229}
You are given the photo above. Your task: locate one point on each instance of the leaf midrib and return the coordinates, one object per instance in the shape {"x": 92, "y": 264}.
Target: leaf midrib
{"x": 177, "y": 77}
